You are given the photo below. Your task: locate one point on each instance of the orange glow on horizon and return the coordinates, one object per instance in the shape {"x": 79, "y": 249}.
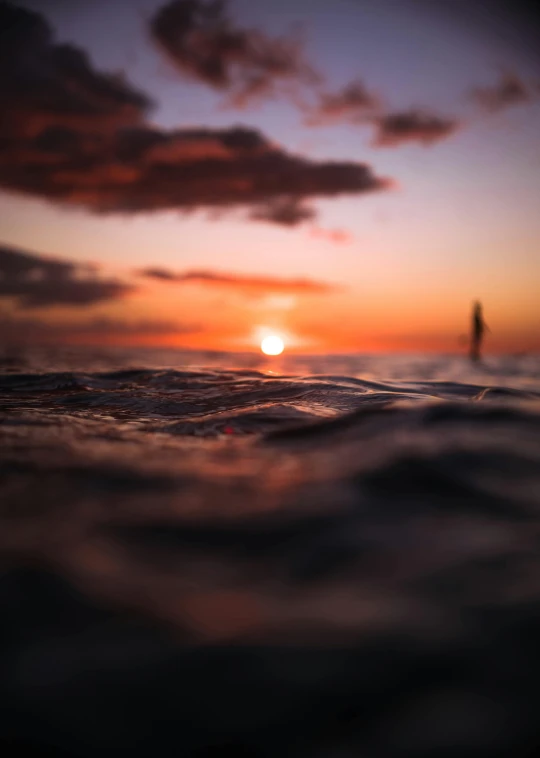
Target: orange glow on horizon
{"x": 505, "y": 343}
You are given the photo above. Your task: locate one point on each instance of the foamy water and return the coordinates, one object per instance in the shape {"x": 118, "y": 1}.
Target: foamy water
{"x": 310, "y": 557}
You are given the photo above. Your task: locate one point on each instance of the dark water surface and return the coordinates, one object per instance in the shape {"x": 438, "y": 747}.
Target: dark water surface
{"x": 316, "y": 557}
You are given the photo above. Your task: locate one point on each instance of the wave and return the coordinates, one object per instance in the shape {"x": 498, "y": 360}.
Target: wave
{"x": 309, "y": 564}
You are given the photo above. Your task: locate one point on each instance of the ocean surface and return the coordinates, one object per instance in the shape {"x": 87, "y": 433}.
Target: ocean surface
{"x": 211, "y": 554}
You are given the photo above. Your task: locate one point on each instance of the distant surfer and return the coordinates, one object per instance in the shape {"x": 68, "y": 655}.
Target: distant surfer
{"x": 479, "y": 327}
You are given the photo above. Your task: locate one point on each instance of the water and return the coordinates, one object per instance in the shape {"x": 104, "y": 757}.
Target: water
{"x": 310, "y": 556}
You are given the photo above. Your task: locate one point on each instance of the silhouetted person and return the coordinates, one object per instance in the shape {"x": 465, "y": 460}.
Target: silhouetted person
{"x": 479, "y": 327}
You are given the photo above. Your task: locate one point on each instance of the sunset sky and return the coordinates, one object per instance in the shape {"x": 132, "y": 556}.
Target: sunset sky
{"x": 349, "y": 174}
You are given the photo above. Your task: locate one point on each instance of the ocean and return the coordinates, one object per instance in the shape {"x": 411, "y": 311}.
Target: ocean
{"x": 210, "y": 554}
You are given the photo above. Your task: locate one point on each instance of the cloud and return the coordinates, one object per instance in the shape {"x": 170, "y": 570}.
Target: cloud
{"x": 75, "y": 136}
{"x": 338, "y": 236}
{"x": 353, "y": 104}
{"x": 287, "y": 211}
{"x": 164, "y": 274}
{"x": 416, "y": 125}
{"x": 146, "y": 169}
{"x": 204, "y": 44}
{"x": 244, "y": 283}
{"x": 509, "y": 91}
{"x": 95, "y": 330}
{"x": 43, "y": 83}
{"x": 36, "y": 282}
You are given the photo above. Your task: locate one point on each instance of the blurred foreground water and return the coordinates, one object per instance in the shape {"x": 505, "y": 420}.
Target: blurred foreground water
{"x": 207, "y": 555}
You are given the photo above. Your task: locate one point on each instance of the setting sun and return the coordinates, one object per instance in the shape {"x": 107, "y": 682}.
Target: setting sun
{"x": 272, "y": 345}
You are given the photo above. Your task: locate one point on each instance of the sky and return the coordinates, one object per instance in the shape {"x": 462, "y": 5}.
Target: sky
{"x": 348, "y": 174}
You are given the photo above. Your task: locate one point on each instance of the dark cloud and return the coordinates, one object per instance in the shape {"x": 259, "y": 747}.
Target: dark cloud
{"x": 75, "y": 136}
{"x": 29, "y": 330}
{"x": 43, "y": 83}
{"x": 287, "y": 211}
{"x": 36, "y": 282}
{"x": 353, "y": 104}
{"x": 509, "y": 91}
{"x": 119, "y": 327}
{"x": 150, "y": 170}
{"x": 414, "y": 125}
{"x": 206, "y": 45}
{"x": 203, "y": 42}
{"x": 163, "y": 274}
{"x": 245, "y": 283}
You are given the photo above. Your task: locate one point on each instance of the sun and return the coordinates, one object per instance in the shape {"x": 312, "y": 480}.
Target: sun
{"x": 272, "y": 345}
